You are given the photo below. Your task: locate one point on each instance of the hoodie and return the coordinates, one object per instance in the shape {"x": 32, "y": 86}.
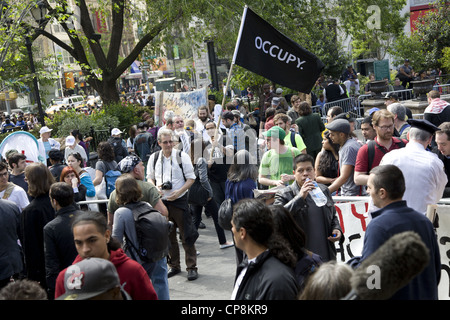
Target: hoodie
{"x": 133, "y": 278}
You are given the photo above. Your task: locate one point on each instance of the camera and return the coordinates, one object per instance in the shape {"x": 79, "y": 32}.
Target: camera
{"x": 166, "y": 185}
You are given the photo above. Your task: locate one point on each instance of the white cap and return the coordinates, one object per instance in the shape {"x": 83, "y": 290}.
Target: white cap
{"x": 115, "y": 132}
{"x": 44, "y": 130}
{"x": 70, "y": 140}
{"x": 279, "y": 90}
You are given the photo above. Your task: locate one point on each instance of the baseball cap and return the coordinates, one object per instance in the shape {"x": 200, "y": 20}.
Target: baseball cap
{"x": 89, "y": 278}
{"x": 45, "y": 129}
{"x": 339, "y": 125}
{"x": 275, "y": 101}
{"x": 128, "y": 163}
{"x": 70, "y": 140}
{"x": 276, "y": 132}
{"x": 279, "y": 90}
{"x": 115, "y": 131}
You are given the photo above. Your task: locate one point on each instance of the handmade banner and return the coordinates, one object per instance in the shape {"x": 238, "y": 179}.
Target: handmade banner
{"x": 264, "y": 50}
{"x": 354, "y": 224}
{"x": 184, "y": 104}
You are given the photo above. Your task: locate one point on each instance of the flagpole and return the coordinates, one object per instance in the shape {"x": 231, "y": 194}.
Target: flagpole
{"x": 236, "y": 48}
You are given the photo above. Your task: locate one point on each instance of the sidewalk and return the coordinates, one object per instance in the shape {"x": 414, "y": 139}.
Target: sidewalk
{"x": 216, "y": 269}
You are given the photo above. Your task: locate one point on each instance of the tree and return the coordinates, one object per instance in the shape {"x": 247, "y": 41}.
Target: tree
{"x": 103, "y": 67}
{"x": 433, "y": 29}
{"x": 304, "y": 21}
{"x": 372, "y": 24}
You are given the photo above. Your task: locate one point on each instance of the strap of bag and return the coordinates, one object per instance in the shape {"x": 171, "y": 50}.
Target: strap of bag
{"x": 9, "y": 190}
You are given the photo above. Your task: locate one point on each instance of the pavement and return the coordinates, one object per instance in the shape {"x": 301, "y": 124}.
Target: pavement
{"x": 216, "y": 269}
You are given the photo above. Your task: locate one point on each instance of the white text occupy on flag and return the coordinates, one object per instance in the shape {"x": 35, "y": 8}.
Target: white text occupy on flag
{"x": 269, "y": 48}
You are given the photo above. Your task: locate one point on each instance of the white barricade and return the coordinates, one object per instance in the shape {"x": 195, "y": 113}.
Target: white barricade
{"x": 354, "y": 224}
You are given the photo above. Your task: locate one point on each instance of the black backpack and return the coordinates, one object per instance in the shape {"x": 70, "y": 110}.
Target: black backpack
{"x": 371, "y": 150}
{"x": 305, "y": 267}
{"x": 152, "y": 230}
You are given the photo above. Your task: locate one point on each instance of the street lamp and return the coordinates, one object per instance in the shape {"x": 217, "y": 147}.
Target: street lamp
{"x": 38, "y": 12}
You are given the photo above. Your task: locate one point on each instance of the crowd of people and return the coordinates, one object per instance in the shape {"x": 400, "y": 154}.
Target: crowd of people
{"x": 284, "y": 241}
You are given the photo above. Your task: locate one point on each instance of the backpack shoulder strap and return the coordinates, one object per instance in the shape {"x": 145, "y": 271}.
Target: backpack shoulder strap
{"x": 371, "y": 152}
{"x": 9, "y": 190}
{"x": 293, "y": 143}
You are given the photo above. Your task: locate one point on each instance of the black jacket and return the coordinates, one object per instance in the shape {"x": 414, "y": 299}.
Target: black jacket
{"x": 266, "y": 279}
{"x": 297, "y": 206}
{"x": 60, "y": 251}
{"x": 33, "y": 219}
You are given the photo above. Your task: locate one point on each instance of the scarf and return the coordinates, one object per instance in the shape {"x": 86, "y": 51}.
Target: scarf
{"x": 436, "y": 106}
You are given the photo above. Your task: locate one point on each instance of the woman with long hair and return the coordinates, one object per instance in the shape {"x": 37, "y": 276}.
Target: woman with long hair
{"x": 75, "y": 161}
{"x": 70, "y": 176}
{"x": 241, "y": 181}
{"x": 292, "y": 235}
{"x": 33, "y": 219}
{"x": 200, "y": 165}
{"x": 327, "y": 161}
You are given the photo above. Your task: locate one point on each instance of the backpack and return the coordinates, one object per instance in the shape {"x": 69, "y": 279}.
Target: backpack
{"x": 305, "y": 267}
{"x": 142, "y": 145}
{"x": 152, "y": 230}
{"x": 371, "y": 149}
{"x": 110, "y": 180}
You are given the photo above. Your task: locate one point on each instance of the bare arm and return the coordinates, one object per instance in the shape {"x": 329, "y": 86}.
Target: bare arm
{"x": 346, "y": 172}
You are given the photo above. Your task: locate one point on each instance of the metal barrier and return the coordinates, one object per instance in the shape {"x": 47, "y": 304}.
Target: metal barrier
{"x": 442, "y": 88}
{"x": 405, "y": 94}
{"x": 350, "y": 105}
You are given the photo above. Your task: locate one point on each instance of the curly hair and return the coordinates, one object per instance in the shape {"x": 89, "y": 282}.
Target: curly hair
{"x": 105, "y": 151}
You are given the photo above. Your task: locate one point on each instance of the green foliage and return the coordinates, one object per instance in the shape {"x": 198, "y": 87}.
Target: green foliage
{"x": 445, "y": 60}
{"x": 372, "y": 24}
{"x": 411, "y": 48}
{"x": 433, "y": 29}
{"x": 125, "y": 113}
{"x": 64, "y": 122}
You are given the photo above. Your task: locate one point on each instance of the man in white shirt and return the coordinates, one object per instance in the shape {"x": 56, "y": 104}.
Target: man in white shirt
{"x": 171, "y": 171}
{"x": 200, "y": 123}
{"x": 73, "y": 147}
{"x": 181, "y": 133}
{"x": 10, "y": 191}
{"x": 424, "y": 173}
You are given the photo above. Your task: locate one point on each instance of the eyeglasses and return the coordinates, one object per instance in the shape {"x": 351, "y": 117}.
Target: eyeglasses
{"x": 386, "y": 127}
{"x": 167, "y": 142}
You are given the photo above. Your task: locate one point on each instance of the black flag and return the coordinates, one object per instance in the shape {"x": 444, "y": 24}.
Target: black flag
{"x": 264, "y": 50}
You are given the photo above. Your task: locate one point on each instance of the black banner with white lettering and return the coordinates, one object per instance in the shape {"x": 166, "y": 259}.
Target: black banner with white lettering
{"x": 262, "y": 49}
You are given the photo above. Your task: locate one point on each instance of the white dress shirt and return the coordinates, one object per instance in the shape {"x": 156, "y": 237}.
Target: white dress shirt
{"x": 425, "y": 178}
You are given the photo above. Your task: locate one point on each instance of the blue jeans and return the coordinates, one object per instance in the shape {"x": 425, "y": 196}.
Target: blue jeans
{"x": 157, "y": 271}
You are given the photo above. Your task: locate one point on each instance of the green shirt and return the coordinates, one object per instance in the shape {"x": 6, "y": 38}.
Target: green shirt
{"x": 298, "y": 141}
{"x": 150, "y": 194}
{"x": 273, "y": 165}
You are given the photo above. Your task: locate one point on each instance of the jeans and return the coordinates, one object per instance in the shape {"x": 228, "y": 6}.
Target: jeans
{"x": 157, "y": 271}
{"x": 212, "y": 208}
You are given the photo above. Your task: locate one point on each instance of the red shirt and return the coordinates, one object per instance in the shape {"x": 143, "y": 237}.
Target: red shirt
{"x": 362, "y": 159}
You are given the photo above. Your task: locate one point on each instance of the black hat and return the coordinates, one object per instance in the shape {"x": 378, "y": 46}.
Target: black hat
{"x": 423, "y": 125}
{"x": 391, "y": 95}
{"x": 344, "y": 116}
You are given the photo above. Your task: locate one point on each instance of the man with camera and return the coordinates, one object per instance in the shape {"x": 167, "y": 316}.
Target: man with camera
{"x": 171, "y": 171}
